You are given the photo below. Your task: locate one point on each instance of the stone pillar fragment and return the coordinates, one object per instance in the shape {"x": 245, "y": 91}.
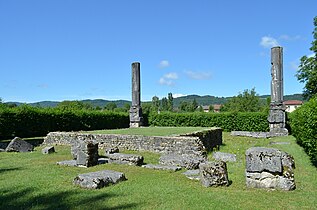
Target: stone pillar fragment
{"x": 136, "y": 119}
{"x": 276, "y": 116}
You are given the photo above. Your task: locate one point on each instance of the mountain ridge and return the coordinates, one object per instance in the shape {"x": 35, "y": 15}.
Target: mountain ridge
{"x": 201, "y": 100}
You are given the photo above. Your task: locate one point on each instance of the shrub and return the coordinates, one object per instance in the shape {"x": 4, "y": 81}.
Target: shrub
{"x": 303, "y": 123}
{"x": 26, "y": 121}
{"x": 256, "y": 121}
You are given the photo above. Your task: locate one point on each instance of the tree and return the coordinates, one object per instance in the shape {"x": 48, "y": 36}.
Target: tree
{"x": 73, "y": 105}
{"x": 164, "y": 104}
{"x": 307, "y": 72}
{"x": 248, "y": 101}
{"x": 170, "y": 102}
{"x": 111, "y": 106}
{"x": 211, "y": 108}
{"x": 155, "y": 103}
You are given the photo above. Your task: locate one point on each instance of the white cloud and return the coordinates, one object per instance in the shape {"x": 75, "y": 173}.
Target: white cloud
{"x": 171, "y": 75}
{"x": 268, "y": 42}
{"x": 311, "y": 55}
{"x": 164, "y": 81}
{"x": 177, "y": 95}
{"x": 168, "y": 79}
{"x": 198, "y": 75}
{"x": 164, "y": 64}
{"x": 289, "y": 38}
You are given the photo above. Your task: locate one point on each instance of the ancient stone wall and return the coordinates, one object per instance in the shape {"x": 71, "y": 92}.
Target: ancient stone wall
{"x": 196, "y": 144}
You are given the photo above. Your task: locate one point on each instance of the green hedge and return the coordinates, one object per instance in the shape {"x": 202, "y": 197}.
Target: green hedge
{"x": 250, "y": 121}
{"x": 28, "y": 121}
{"x": 303, "y": 123}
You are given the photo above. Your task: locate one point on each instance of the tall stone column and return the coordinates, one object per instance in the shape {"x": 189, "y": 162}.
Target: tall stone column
{"x": 276, "y": 116}
{"x": 136, "y": 119}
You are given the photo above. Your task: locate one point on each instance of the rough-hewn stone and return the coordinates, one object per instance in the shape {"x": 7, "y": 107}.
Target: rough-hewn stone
{"x": 67, "y": 163}
{"x": 87, "y": 154}
{"x": 214, "y": 174}
{"x": 48, "y": 150}
{"x": 194, "y": 144}
{"x": 226, "y": 157}
{"x": 19, "y": 145}
{"x": 98, "y": 179}
{"x": 185, "y": 161}
{"x": 162, "y": 167}
{"x": 269, "y": 168}
{"x": 129, "y": 159}
{"x": 136, "y": 119}
{"x": 192, "y": 174}
{"x": 111, "y": 150}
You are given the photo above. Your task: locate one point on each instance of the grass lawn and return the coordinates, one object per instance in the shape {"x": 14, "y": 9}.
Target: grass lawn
{"x": 34, "y": 181}
{"x": 150, "y": 131}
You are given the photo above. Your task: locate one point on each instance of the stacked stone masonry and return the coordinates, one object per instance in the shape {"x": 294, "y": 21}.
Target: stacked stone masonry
{"x": 196, "y": 144}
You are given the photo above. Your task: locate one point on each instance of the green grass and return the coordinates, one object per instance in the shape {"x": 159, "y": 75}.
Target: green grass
{"x": 34, "y": 181}
{"x": 150, "y": 131}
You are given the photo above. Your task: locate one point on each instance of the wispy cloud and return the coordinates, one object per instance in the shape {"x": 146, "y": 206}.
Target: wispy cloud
{"x": 168, "y": 79}
{"x": 43, "y": 86}
{"x": 198, "y": 75}
{"x": 177, "y": 95}
{"x": 164, "y": 64}
{"x": 289, "y": 38}
{"x": 268, "y": 42}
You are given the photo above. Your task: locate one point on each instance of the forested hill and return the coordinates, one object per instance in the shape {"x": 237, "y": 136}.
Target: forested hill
{"x": 201, "y": 100}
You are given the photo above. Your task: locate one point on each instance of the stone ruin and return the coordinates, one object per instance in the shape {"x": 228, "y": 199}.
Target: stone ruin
{"x": 99, "y": 179}
{"x": 18, "y": 145}
{"x": 276, "y": 116}
{"x": 136, "y": 119}
{"x": 269, "y": 168}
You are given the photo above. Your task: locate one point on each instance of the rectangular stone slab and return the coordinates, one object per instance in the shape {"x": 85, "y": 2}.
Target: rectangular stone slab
{"x": 259, "y": 159}
{"x": 98, "y": 179}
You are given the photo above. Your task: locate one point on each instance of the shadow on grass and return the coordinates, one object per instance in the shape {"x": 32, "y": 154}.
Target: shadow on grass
{"x": 3, "y": 170}
{"x": 28, "y": 198}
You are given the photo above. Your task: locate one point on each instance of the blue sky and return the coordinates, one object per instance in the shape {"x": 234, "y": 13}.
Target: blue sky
{"x": 74, "y": 49}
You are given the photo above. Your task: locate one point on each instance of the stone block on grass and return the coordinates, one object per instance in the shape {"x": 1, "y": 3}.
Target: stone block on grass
{"x": 214, "y": 174}
{"x": 269, "y": 168}
{"x": 129, "y": 159}
{"x": 48, "y": 150}
{"x": 98, "y": 179}
{"x": 111, "y": 150}
{"x": 185, "y": 160}
{"x": 67, "y": 163}
{"x": 86, "y": 153}
{"x": 226, "y": 157}
{"x": 162, "y": 167}
{"x": 19, "y": 145}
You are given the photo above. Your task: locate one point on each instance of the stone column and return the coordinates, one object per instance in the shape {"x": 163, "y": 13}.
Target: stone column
{"x": 136, "y": 119}
{"x": 276, "y": 116}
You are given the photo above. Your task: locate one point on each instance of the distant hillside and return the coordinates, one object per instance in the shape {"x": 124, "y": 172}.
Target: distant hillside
{"x": 201, "y": 100}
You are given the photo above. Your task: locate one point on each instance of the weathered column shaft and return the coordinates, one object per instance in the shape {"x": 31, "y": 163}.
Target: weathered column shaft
{"x": 277, "y": 74}
{"x": 136, "y": 119}
{"x": 276, "y": 116}
{"x": 136, "y": 84}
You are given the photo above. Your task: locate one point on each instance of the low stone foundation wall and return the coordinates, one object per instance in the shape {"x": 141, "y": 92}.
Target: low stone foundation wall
{"x": 197, "y": 143}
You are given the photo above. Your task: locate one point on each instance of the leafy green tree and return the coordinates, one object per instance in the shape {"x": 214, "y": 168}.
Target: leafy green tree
{"x": 110, "y": 106}
{"x": 194, "y": 105}
{"x": 74, "y": 105}
{"x": 170, "y": 102}
{"x": 248, "y": 101}
{"x": 164, "y": 104}
{"x": 155, "y": 103}
{"x": 211, "y": 108}
{"x": 307, "y": 72}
